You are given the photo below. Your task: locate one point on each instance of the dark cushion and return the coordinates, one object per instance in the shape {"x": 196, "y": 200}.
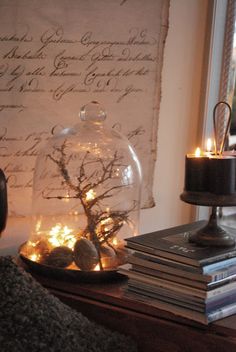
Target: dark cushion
{"x": 31, "y": 319}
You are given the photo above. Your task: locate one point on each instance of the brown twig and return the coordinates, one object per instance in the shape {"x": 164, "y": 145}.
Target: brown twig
{"x": 87, "y": 180}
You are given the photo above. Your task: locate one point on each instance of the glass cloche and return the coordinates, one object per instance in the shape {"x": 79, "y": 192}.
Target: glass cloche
{"x": 86, "y": 197}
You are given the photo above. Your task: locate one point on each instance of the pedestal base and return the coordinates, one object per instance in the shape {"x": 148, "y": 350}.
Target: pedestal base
{"x": 212, "y": 235}
{"x": 216, "y": 238}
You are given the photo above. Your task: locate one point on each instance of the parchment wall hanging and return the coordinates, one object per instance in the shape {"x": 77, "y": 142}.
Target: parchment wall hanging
{"x": 58, "y": 55}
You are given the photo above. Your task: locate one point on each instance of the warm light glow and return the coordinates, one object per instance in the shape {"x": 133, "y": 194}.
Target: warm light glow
{"x": 106, "y": 221}
{"x": 198, "y": 152}
{"x": 34, "y": 257}
{"x": 61, "y": 236}
{"x": 106, "y": 225}
{"x": 209, "y": 145}
{"x": 67, "y": 198}
{"x": 90, "y": 195}
{"x": 115, "y": 241}
{"x": 32, "y": 244}
{"x": 38, "y": 225}
{"x": 97, "y": 267}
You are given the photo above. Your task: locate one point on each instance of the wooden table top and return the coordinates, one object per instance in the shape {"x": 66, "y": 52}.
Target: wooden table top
{"x": 112, "y": 293}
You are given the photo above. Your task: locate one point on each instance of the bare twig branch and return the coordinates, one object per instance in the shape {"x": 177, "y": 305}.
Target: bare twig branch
{"x": 93, "y": 172}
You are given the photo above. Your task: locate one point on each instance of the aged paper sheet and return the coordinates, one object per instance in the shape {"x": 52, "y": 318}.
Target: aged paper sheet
{"x": 58, "y": 55}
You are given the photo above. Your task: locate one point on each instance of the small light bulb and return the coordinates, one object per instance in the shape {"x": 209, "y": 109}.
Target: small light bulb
{"x": 114, "y": 241}
{"x": 34, "y": 257}
{"x": 90, "y": 195}
{"x": 97, "y": 267}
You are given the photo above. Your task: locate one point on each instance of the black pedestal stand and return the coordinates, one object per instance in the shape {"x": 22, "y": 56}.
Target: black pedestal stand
{"x": 212, "y": 234}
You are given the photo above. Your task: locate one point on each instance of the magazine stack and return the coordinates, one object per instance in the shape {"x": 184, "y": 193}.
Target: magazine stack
{"x": 166, "y": 271}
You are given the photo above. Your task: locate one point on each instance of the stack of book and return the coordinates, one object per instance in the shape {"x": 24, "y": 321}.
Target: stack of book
{"x": 166, "y": 271}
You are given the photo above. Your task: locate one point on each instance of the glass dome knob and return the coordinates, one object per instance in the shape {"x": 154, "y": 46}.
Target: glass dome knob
{"x": 93, "y": 112}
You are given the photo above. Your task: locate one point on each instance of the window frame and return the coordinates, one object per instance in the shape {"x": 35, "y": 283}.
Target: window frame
{"x": 217, "y": 18}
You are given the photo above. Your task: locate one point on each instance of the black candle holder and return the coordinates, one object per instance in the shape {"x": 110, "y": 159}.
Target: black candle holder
{"x": 210, "y": 180}
{"x": 211, "y": 234}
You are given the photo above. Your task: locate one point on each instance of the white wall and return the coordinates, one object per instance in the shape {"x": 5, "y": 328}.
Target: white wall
{"x": 179, "y": 113}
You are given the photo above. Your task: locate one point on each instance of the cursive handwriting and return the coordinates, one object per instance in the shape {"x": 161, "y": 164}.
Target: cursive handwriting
{"x": 55, "y": 36}
{"x": 17, "y": 53}
{"x": 17, "y": 168}
{"x": 58, "y": 65}
{"x": 136, "y": 36}
{"x": 13, "y": 107}
{"x": 23, "y": 36}
{"x": 15, "y": 182}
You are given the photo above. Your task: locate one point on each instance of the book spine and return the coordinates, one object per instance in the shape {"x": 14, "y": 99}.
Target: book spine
{"x": 218, "y": 303}
{"x": 220, "y": 282}
{"x": 221, "y": 313}
{"x": 219, "y": 268}
{"x": 222, "y": 290}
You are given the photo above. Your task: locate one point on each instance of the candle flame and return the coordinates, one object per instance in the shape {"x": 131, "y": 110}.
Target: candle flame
{"x": 209, "y": 145}
{"x": 197, "y": 152}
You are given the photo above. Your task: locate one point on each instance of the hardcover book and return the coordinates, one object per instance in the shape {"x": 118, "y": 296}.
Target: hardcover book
{"x": 174, "y": 244}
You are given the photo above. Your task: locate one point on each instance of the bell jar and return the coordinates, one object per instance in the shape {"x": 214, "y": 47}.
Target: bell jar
{"x": 86, "y": 197}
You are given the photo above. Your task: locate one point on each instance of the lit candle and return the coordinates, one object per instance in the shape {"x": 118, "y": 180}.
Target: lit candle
{"x": 196, "y": 172}
{"x": 222, "y": 175}
{"x": 214, "y": 174}
{"x": 197, "y": 152}
{"x": 209, "y": 145}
